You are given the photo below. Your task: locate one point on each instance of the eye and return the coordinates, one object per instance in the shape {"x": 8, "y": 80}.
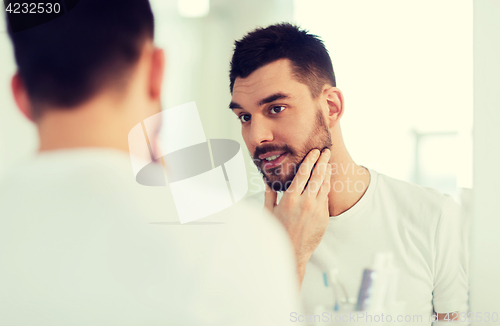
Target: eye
{"x": 277, "y": 109}
{"x": 244, "y": 117}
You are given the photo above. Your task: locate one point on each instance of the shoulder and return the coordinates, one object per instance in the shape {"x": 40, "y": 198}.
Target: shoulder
{"x": 250, "y": 211}
{"x": 421, "y": 207}
{"x": 410, "y": 195}
{"x": 72, "y": 170}
{"x": 256, "y": 200}
{"x": 73, "y": 182}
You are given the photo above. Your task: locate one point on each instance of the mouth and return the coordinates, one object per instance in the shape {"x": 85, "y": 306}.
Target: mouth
{"x": 272, "y": 160}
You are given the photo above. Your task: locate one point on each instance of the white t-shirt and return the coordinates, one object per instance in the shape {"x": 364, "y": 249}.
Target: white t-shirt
{"x": 423, "y": 228}
{"x": 81, "y": 243}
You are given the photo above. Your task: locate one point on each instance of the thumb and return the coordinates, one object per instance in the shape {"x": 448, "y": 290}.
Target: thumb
{"x": 270, "y": 199}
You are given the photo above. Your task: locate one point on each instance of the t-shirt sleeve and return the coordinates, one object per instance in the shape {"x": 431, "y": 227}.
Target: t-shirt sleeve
{"x": 451, "y": 290}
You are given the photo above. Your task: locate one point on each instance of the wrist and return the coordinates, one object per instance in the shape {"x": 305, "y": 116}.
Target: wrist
{"x": 301, "y": 271}
{"x": 302, "y": 262}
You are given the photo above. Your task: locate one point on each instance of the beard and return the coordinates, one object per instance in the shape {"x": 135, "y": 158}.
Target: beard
{"x": 280, "y": 177}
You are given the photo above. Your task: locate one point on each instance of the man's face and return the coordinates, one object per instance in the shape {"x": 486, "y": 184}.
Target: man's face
{"x": 281, "y": 122}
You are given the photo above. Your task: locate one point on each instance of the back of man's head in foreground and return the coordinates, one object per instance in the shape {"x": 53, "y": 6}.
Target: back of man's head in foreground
{"x": 310, "y": 60}
{"x": 68, "y": 60}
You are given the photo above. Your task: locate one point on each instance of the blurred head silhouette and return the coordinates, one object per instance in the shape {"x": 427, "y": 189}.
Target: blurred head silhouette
{"x": 89, "y": 75}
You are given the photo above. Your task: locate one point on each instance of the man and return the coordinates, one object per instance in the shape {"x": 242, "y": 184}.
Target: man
{"x": 284, "y": 92}
{"x": 77, "y": 242}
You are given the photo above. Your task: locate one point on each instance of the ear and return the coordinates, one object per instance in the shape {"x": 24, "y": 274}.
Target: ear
{"x": 156, "y": 74}
{"x": 335, "y": 103}
{"x": 21, "y": 97}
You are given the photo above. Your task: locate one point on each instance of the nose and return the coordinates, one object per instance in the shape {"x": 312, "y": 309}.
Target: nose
{"x": 260, "y": 132}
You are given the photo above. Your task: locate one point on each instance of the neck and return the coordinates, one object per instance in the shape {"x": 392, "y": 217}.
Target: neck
{"x": 349, "y": 181}
{"x": 97, "y": 123}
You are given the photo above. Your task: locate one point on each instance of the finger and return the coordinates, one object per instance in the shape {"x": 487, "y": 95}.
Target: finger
{"x": 318, "y": 174}
{"x": 300, "y": 179}
{"x": 270, "y": 198}
{"x": 326, "y": 186}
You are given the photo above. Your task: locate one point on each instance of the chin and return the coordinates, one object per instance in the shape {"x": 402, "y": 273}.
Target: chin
{"x": 277, "y": 180}
{"x": 279, "y": 185}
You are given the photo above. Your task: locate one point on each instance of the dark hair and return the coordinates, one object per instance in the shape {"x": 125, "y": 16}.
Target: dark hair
{"x": 67, "y": 60}
{"x": 310, "y": 60}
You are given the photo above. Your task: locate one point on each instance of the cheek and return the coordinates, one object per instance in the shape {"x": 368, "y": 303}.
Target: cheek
{"x": 290, "y": 135}
{"x": 295, "y": 127}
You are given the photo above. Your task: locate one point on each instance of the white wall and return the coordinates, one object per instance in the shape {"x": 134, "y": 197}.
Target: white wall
{"x": 402, "y": 66}
{"x": 485, "y": 257}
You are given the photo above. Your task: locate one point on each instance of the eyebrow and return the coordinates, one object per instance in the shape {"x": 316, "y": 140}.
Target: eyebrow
{"x": 269, "y": 99}
{"x": 234, "y": 105}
